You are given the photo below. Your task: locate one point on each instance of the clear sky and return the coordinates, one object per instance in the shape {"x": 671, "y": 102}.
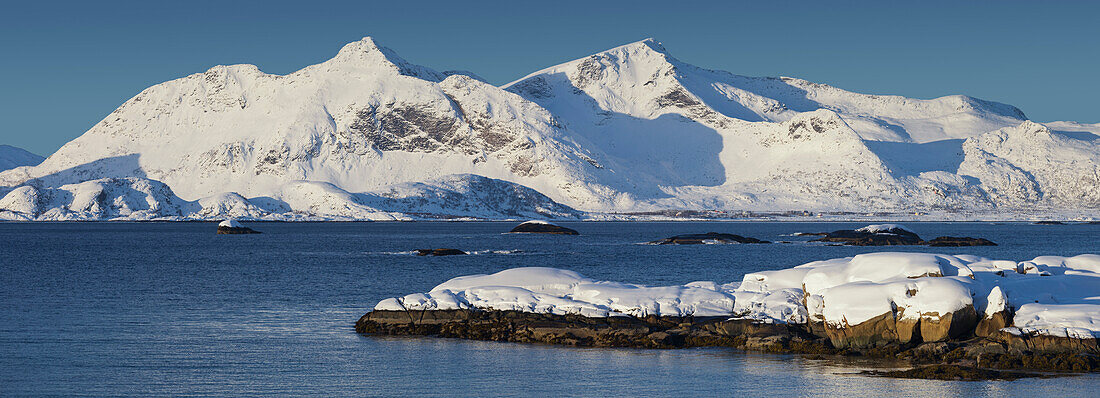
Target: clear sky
{"x": 66, "y": 65}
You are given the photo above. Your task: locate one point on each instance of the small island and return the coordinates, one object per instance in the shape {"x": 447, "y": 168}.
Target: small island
{"x": 542, "y": 227}
{"x": 232, "y": 227}
{"x": 892, "y": 235}
{"x": 439, "y": 252}
{"x": 709, "y": 238}
{"x": 964, "y": 314}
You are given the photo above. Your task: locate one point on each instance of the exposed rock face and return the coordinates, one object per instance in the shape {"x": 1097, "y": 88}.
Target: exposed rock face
{"x": 576, "y": 330}
{"x": 439, "y": 252}
{"x": 1033, "y": 342}
{"x": 945, "y": 241}
{"x": 887, "y": 329}
{"x": 540, "y": 227}
{"x": 992, "y": 324}
{"x": 707, "y": 238}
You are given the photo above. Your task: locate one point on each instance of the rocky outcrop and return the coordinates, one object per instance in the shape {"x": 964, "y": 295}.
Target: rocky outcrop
{"x": 952, "y": 241}
{"x": 439, "y": 252}
{"x": 232, "y": 227}
{"x": 576, "y": 330}
{"x": 707, "y": 238}
{"x": 1017, "y": 341}
{"x": 892, "y": 235}
{"x": 878, "y": 338}
{"x": 868, "y": 236}
{"x": 542, "y": 227}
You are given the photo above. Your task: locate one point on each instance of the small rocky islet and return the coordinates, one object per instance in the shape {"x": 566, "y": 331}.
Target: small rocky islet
{"x": 542, "y": 227}
{"x": 892, "y": 235}
{"x": 707, "y": 238}
{"x": 233, "y": 227}
{"x": 967, "y": 313}
{"x": 440, "y": 252}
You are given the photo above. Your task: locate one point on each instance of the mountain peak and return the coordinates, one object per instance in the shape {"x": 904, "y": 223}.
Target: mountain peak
{"x": 646, "y": 46}
{"x": 367, "y": 53}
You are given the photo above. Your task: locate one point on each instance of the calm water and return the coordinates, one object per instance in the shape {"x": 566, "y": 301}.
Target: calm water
{"x": 171, "y": 308}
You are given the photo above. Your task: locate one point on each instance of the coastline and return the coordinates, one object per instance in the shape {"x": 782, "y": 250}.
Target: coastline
{"x": 1001, "y": 355}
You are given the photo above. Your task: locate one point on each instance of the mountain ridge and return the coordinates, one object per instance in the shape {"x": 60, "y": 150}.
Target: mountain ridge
{"x": 629, "y": 129}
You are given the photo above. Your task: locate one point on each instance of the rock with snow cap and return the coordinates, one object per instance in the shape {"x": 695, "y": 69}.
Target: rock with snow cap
{"x": 543, "y": 227}
{"x": 233, "y": 227}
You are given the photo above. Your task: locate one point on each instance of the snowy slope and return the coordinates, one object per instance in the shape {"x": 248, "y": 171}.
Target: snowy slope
{"x": 452, "y": 196}
{"x": 369, "y": 135}
{"x": 12, "y": 157}
{"x": 362, "y": 120}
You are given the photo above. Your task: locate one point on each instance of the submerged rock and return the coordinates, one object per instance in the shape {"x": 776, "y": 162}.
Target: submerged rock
{"x": 707, "y": 238}
{"x": 952, "y": 372}
{"x": 232, "y": 227}
{"x": 439, "y": 252}
{"x": 542, "y": 227}
{"x": 945, "y": 241}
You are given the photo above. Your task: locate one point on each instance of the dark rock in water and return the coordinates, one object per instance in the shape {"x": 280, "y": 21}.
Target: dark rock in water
{"x": 944, "y": 241}
{"x": 961, "y": 352}
{"x": 439, "y": 252}
{"x": 873, "y": 236}
{"x": 540, "y": 227}
{"x": 709, "y": 237}
{"x": 952, "y": 372}
{"x": 232, "y": 227}
{"x": 1049, "y": 223}
{"x": 236, "y": 230}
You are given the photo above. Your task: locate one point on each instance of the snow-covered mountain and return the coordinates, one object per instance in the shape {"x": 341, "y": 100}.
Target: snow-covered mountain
{"x": 369, "y": 135}
{"x": 12, "y": 157}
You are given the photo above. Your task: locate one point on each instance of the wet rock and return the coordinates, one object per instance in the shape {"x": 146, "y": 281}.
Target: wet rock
{"x": 542, "y": 227}
{"x": 951, "y": 372}
{"x": 873, "y": 339}
{"x": 945, "y": 241}
{"x": 1023, "y": 342}
{"x": 707, "y": 238}
{"x": 1049, "y": 223}
{"x": 439, "y": 252}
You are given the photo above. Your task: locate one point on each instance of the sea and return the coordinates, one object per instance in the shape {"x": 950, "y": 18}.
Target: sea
{"x": 172, "y": 309}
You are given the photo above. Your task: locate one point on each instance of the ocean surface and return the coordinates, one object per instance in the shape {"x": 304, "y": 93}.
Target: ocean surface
{"x": 105, "y": 309}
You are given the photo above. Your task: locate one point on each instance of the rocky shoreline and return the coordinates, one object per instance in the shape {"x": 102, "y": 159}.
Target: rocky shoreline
{"x": 968, "y": 356}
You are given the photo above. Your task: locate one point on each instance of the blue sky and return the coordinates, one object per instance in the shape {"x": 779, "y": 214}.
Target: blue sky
{"x": 66, "y": 65}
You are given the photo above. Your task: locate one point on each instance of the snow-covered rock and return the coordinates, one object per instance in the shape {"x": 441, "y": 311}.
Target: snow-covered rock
{"x": 230, "y": 223}
{"x": 863, "y": 300}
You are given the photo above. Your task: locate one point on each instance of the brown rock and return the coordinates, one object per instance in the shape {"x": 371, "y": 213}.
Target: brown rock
{"x": 990, "y": 325}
